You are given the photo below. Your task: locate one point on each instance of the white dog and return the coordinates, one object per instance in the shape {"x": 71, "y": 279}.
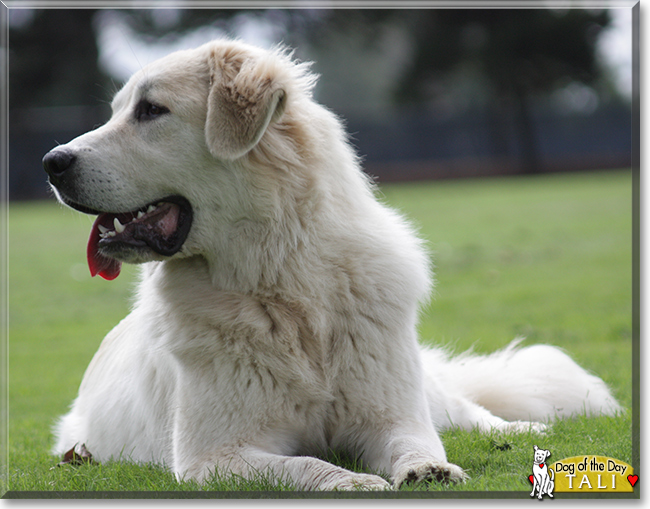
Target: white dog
{"x": 543, "y": 476}
{"x": 276, "y": 316}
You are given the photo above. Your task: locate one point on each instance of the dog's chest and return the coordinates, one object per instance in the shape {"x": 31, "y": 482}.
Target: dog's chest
{"x": 540, "y": 468}
{"x": 276, "y": 359}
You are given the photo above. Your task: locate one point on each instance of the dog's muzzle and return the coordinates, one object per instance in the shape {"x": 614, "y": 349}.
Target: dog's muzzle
{"x": 159, "y": 227}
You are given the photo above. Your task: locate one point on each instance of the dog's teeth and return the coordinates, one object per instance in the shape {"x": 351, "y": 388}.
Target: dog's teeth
{"x": 102, "y": 229}
{"x": 109, "y": 234}
{"x": 151, "y": 208}
{"x": 140, "y": 214}
{"x": 119, "y": 227}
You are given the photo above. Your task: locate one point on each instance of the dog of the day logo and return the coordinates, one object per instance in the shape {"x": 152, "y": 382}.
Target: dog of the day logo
{"x": 579, "y": 474}
{"x": 543, "y": 477}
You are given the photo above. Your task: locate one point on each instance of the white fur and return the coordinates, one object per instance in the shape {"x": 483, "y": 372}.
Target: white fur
{"x": 286, "y": 325}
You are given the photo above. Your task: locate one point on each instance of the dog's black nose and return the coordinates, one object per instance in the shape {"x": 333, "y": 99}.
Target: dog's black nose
{"x": 57, "y": 161}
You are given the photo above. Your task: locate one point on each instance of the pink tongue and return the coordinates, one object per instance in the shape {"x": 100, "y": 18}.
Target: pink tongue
{"x": 108, "y": 268}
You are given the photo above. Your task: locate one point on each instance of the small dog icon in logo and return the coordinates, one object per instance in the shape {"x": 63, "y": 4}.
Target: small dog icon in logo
{"x": 543, "y": 476}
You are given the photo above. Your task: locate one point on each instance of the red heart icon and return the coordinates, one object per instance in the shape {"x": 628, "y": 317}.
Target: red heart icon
{"x": 530, "y": 478}
{"x": 632, "y": 479}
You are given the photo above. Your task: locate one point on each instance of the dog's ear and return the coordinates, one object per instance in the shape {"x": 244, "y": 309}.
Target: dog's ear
{"x": 548, "y": 453}
{"x": 244, "y": 99}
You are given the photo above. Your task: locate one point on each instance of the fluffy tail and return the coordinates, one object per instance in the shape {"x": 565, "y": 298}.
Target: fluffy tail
{"x": 533, "y": 383}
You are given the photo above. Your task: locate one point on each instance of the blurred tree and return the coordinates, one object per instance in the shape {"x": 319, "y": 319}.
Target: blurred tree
{"x": 515, "y": 55}
{"x": 154, "y": 24}
{"x": 520, "y": 53}
{"x": 53, "y": 60}
{"x": 53, "y": 57}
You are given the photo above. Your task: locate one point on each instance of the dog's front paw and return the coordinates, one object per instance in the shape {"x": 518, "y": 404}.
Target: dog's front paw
{"x": 433, "y": 471}
{"x": 359, "y": 482}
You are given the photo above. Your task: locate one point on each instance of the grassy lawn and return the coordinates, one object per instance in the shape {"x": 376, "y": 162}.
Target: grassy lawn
{"x": 546, "y": 257}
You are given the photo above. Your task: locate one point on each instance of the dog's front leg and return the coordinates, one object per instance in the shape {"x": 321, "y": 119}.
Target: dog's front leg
{"x": 413, "y": 453}
{"x": 300, "y": 472}
{"x": 538, "y": 485}
{"x": 217, "y": 432}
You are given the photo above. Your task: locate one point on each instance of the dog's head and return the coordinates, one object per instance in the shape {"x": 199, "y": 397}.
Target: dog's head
{"x": 540, "y": 455}
{"x": 164, "y": 169}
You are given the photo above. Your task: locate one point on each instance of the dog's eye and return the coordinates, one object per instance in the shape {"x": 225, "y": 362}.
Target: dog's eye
{"x": 148, "y": 111}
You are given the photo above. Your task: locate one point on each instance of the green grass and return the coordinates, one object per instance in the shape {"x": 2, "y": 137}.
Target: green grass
{"x": 547, "y": 257}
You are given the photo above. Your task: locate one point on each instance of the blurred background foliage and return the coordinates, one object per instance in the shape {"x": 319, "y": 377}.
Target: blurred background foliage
{"x": 427, "y": 93}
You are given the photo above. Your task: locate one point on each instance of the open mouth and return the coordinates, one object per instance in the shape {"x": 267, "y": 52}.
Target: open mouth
{"x": 161, "y": 226}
